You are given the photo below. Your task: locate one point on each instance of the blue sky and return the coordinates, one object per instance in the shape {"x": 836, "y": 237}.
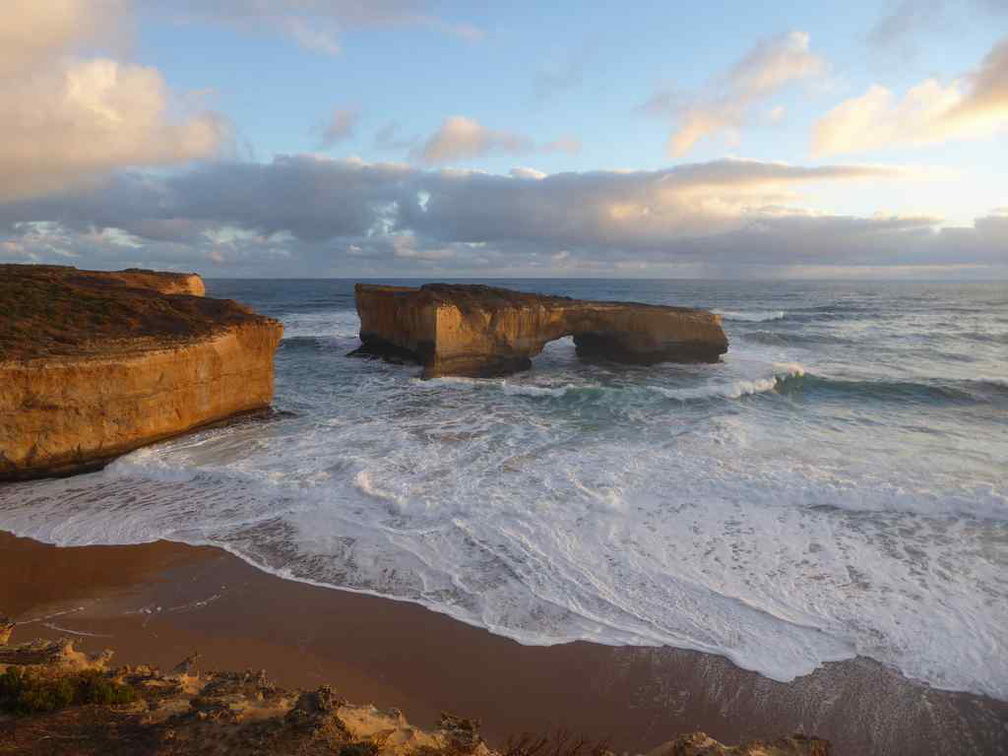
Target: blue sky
{"x": 902, "y": 105}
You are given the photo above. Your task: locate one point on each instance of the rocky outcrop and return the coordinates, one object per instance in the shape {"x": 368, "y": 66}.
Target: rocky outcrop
{"x": 165, "y": 283}
{"x": 52, "y": 696}
{"x": 702, "y": 744}
{"x": 93, "y": 365}
{"x": 482, "y": 331}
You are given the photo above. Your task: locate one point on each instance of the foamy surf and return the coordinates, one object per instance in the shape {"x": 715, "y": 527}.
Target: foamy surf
{"x": 754, "y": 316}
{"x": 785, "y": 507}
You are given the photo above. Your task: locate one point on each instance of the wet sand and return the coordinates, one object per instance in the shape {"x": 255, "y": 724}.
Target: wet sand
{"x": 158, "y": 603}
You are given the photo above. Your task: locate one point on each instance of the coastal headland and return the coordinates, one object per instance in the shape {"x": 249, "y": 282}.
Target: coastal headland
{"x": 95, "y": 364}
{"x": 482, "y": 331}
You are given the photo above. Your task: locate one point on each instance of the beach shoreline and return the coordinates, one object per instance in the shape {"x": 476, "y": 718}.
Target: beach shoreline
{"x": 158, "y": 603}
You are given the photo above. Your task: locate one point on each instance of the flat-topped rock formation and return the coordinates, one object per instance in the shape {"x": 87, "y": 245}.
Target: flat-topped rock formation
{"x": 95, "y": 364}
{"x": 481, "y": 331}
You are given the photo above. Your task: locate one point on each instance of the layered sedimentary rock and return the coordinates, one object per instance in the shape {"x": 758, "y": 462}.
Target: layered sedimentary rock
{"x": 483, "y": 331}
{"x": 93, "y": 364}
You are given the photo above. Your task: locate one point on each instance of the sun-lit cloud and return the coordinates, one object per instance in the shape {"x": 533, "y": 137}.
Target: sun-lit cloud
{"x": 973, "y": 106}
{"x": 67, "y": 118}
{"x": 316, "y": 25}
{"x": 460, "y": 138}
{"x": 340, "y": 126}
{"x": 32, "y": 33}
{"x": 724, "y": 108}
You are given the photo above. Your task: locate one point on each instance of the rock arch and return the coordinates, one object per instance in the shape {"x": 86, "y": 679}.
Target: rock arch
{"x": 482, "y": 331}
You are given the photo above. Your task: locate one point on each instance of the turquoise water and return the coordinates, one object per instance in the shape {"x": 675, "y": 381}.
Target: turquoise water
{"x": 837, "y": 486}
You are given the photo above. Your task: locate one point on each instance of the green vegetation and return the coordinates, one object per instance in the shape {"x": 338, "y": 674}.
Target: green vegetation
{"x": 27, "y": 692}
{"x": 49, "y": 310}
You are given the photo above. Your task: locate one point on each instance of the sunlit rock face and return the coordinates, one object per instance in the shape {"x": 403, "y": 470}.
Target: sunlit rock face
{"x": 95, "y": 364}
{"x": 480, "y": 331}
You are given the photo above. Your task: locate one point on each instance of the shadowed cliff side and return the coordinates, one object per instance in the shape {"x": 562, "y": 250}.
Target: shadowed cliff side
{"x": 95, "y": 364}
{"x": 481, "y": 331}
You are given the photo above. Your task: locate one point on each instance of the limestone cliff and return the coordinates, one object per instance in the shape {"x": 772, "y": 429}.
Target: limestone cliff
{"x": 483, "y": 331}
{"x": 94, "y": 364}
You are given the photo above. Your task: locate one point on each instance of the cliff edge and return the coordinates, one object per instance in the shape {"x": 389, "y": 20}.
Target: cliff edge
{"x": 95, "y": 364}
{"x": 481, "y": 331}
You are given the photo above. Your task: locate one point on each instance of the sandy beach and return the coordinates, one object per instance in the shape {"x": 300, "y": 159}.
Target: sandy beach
{"x": 160, "y": 602}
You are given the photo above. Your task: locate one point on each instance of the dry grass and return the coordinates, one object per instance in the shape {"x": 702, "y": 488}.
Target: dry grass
{"x": 59, "y": 311}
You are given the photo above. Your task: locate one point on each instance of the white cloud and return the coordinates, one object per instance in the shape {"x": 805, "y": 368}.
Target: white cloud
{"x": 340, "y": 126}
{"x": 766, "y": 69}
{"x": 972, "y": 106}
{"x": 66, "y": 118}
{"x": 526, "y": 173}
{"x": 34, "y": 31}
{"x": 460, "y": 138}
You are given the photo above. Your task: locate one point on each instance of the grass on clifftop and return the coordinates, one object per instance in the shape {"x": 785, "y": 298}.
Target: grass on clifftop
{"x": 57, "y": 311}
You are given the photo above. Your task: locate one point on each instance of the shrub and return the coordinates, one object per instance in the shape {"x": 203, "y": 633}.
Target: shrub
{"x": 23, "y": 692}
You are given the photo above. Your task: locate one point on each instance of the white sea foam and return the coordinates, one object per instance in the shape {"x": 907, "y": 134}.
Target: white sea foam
{"x": 751, "y": 316}
{"x": 335, "y": 324}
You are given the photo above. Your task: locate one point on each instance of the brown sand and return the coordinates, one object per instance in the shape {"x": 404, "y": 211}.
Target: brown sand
{"x": 158, "y": 603}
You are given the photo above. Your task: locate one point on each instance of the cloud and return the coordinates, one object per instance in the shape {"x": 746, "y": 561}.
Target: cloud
{"x": 67, "y": 119}
{"x": 895, "y": 32}
{"x": 909, "y": 18}
{"x": 307, "y": 215}
{"x": 570, "y": 145}
{"x": 33, "y": 32}
{"x": 664, "y": 102}
{"x": 340, "y": 126}
{"x": 316, "y": 25}
{"x": 767, "y": 68}
{"x": 460, "y": 138}
{"x": 972, "y": 106}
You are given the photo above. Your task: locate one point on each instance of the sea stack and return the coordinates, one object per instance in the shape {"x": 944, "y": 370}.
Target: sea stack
{"x": 481, "y": 331}
{"x": 95, "y": 364}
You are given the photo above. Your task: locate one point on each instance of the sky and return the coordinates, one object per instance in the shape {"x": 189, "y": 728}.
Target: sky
{"x": 404, "y": 138}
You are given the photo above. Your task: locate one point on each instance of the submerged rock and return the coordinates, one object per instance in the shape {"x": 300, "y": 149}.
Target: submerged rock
{"x": 481, "y": 331}
{"x": 95, "y": 364}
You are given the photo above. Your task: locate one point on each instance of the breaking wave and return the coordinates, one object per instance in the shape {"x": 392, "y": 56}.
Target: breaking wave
{"x": 753, "y": 316}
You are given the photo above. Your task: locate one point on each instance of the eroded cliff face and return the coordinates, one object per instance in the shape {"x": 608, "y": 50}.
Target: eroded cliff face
{"x": 483, "y": 331}
{"x": 165, "y": 283}
{"x": 93, "y": 365}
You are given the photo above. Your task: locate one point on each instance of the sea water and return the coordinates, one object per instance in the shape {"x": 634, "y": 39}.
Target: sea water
{"x": 836, "y": 486}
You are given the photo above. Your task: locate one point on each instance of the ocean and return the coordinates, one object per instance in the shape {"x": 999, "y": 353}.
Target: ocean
{"x": 836, "y": 486}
